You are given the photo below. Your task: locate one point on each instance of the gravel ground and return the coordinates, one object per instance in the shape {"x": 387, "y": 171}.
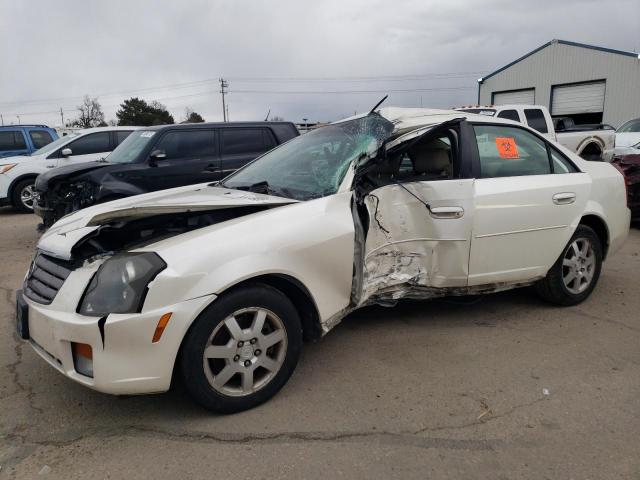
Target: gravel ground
{"x": 501, "y": 387}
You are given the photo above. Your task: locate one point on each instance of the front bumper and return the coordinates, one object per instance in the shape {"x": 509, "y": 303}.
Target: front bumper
{"x": 125, "y": 361}
{"x": 5, "y": 183}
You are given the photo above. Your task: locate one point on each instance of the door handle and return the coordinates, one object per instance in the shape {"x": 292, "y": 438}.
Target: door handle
{"x": 564, "y": 198}
{"x": 446, "y": 212}
{"x": 211, "y": 168}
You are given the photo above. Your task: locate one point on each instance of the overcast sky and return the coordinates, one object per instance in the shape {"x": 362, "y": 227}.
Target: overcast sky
{"x": 55, "y": 51}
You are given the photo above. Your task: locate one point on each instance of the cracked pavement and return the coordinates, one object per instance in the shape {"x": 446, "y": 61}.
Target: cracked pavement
{"x": 441, "y": 389}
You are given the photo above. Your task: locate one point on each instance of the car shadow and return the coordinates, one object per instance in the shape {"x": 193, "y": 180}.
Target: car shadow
{"x": 421, "y": 317}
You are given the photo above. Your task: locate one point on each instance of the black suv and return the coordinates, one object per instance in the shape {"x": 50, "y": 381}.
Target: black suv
{"x": 156, "y": 158}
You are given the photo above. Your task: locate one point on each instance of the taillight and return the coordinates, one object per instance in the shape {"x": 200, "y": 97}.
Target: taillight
{"x": 626, "y": 180}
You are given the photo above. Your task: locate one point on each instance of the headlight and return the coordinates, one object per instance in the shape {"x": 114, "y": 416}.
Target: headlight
{"x": 120, "y": 284}
{"x": 6, "y": 168}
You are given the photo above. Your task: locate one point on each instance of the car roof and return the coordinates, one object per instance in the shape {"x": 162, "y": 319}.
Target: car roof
{"x": 416, "y": 117}
{"x": 499, "y": 107}
{"x": 215, "y": 124}
{"x": 84, "y": 131}
{"x": 25, "y": 125}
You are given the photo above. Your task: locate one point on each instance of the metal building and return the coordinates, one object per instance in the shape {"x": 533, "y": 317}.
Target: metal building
{"x": 590, "y": 84}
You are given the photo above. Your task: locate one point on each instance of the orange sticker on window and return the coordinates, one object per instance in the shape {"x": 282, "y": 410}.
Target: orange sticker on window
{"x": 507, "y": 147}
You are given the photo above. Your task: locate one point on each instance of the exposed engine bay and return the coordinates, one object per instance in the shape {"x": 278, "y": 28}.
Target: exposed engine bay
{"x": 116, "y": 236}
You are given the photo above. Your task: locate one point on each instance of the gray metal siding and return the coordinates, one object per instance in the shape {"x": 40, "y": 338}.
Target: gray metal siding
{"x": 562, "y": 64}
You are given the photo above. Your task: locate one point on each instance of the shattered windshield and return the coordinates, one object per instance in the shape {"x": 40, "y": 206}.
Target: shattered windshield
{"x": 314, "y": 164}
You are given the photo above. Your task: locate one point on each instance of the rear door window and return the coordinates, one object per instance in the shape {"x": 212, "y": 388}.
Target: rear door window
{"x": 243, "y": 141}
{"x": 535, "y": 119}
{"x": 92, "y": 143}
{"x": 40, "y": 138}
{"x": 507, "y": 151}
{"x": 12, "y": 140}
{"x": 188, "y": 143}
{"x": 509, "y": 115}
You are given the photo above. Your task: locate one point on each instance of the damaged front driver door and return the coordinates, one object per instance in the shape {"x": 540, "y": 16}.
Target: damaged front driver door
{"x": 419, "y": 224}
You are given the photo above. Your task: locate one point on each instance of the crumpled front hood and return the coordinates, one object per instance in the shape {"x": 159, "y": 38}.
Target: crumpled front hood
{"x": 64, "y": 234}
{"x": 627, "y": 139}
{"x": 61, "y": 173}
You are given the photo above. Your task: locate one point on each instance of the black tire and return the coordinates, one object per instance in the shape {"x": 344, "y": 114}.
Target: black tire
{"x": 16, "y": 195}
{"x": 192, "y": 361}
{"x": 552, "y": 288}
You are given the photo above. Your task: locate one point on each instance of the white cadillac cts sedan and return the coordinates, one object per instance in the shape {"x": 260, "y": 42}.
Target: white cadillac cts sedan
{"x": 219, "y": 284}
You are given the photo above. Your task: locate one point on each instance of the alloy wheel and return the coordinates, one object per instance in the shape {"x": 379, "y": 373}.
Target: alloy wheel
{"x": 578, "y": 265}
{"x": 245, "y": 351}
{"x": 27, "y": 196}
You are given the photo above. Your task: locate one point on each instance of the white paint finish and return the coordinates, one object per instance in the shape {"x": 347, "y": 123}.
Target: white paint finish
{"x": 406, "y": 244}
{"x": 33, "y": 165}
{"x": 582, "y": 98}
{"x": 510, "y": 229}
{"x": 127, "y": 337}
{"x": 518, "y": 230}
{"x": 309, "y": 241}
{"x": 526, "y": 97}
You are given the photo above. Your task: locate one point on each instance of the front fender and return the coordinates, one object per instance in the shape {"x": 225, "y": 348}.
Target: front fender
{"x": 312, "y": 242}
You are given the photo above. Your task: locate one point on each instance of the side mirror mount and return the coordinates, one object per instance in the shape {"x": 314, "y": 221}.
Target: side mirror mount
{"x": 156, "y": 155}
{"x": 66, "y": 152}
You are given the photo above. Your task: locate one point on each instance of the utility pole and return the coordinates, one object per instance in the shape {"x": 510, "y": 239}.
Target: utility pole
{"x": 223, "y": 84}
{"x": 62, "y": 116}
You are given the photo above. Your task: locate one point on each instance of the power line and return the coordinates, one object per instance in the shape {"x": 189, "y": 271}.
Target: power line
{"x": 341, "y": 92}
{"x": 388, "y": 78}
{"x": 380, "y": 78}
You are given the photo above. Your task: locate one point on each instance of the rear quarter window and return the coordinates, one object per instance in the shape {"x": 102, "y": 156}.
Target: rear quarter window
{"x": 237, "y": 141}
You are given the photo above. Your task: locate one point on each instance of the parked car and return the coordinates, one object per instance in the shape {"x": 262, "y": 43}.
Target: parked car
{"x": 628, "y": 138}
{"x": 24, "y": 139}
{"x": 157, "y": 158}
{"x": 219, "y": 284}
{"x": 629, "y": 165}
{"x": 18, "y": 174}
{"x": 591, "y": 142}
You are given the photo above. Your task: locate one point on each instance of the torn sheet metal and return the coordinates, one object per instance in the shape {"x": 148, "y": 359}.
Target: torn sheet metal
{"x": 409, "y": 250}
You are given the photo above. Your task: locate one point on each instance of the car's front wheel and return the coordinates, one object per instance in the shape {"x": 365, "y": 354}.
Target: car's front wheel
{"x": 23, "y": 195}
{"x": 575, "y": 274}
{"x": 242, "y": 349}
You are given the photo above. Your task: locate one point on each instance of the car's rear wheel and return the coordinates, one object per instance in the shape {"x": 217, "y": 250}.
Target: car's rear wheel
{"x": 242, "y": 349}
{"x": 575, "y": 274}
{"x": 22, "y": 196}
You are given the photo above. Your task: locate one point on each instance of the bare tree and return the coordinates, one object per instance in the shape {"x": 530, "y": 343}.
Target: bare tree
{"x": 276, "y": 118}
{"x": 90, "y": 114}
{"x": 192, "y": 117}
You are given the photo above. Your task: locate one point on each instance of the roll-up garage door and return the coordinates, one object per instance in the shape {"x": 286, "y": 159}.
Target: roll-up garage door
{"x": 575, "y": 99}
{"x": 526, "y": 97}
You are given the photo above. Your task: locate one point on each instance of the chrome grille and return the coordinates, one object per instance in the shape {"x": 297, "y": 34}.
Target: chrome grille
{"x": 46, "y": 276}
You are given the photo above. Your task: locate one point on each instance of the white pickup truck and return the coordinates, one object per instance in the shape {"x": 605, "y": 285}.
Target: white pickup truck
{"x": 591, "y": 142}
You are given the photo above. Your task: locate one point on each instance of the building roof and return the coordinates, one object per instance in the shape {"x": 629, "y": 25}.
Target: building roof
{"x": 562, "y": 42}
